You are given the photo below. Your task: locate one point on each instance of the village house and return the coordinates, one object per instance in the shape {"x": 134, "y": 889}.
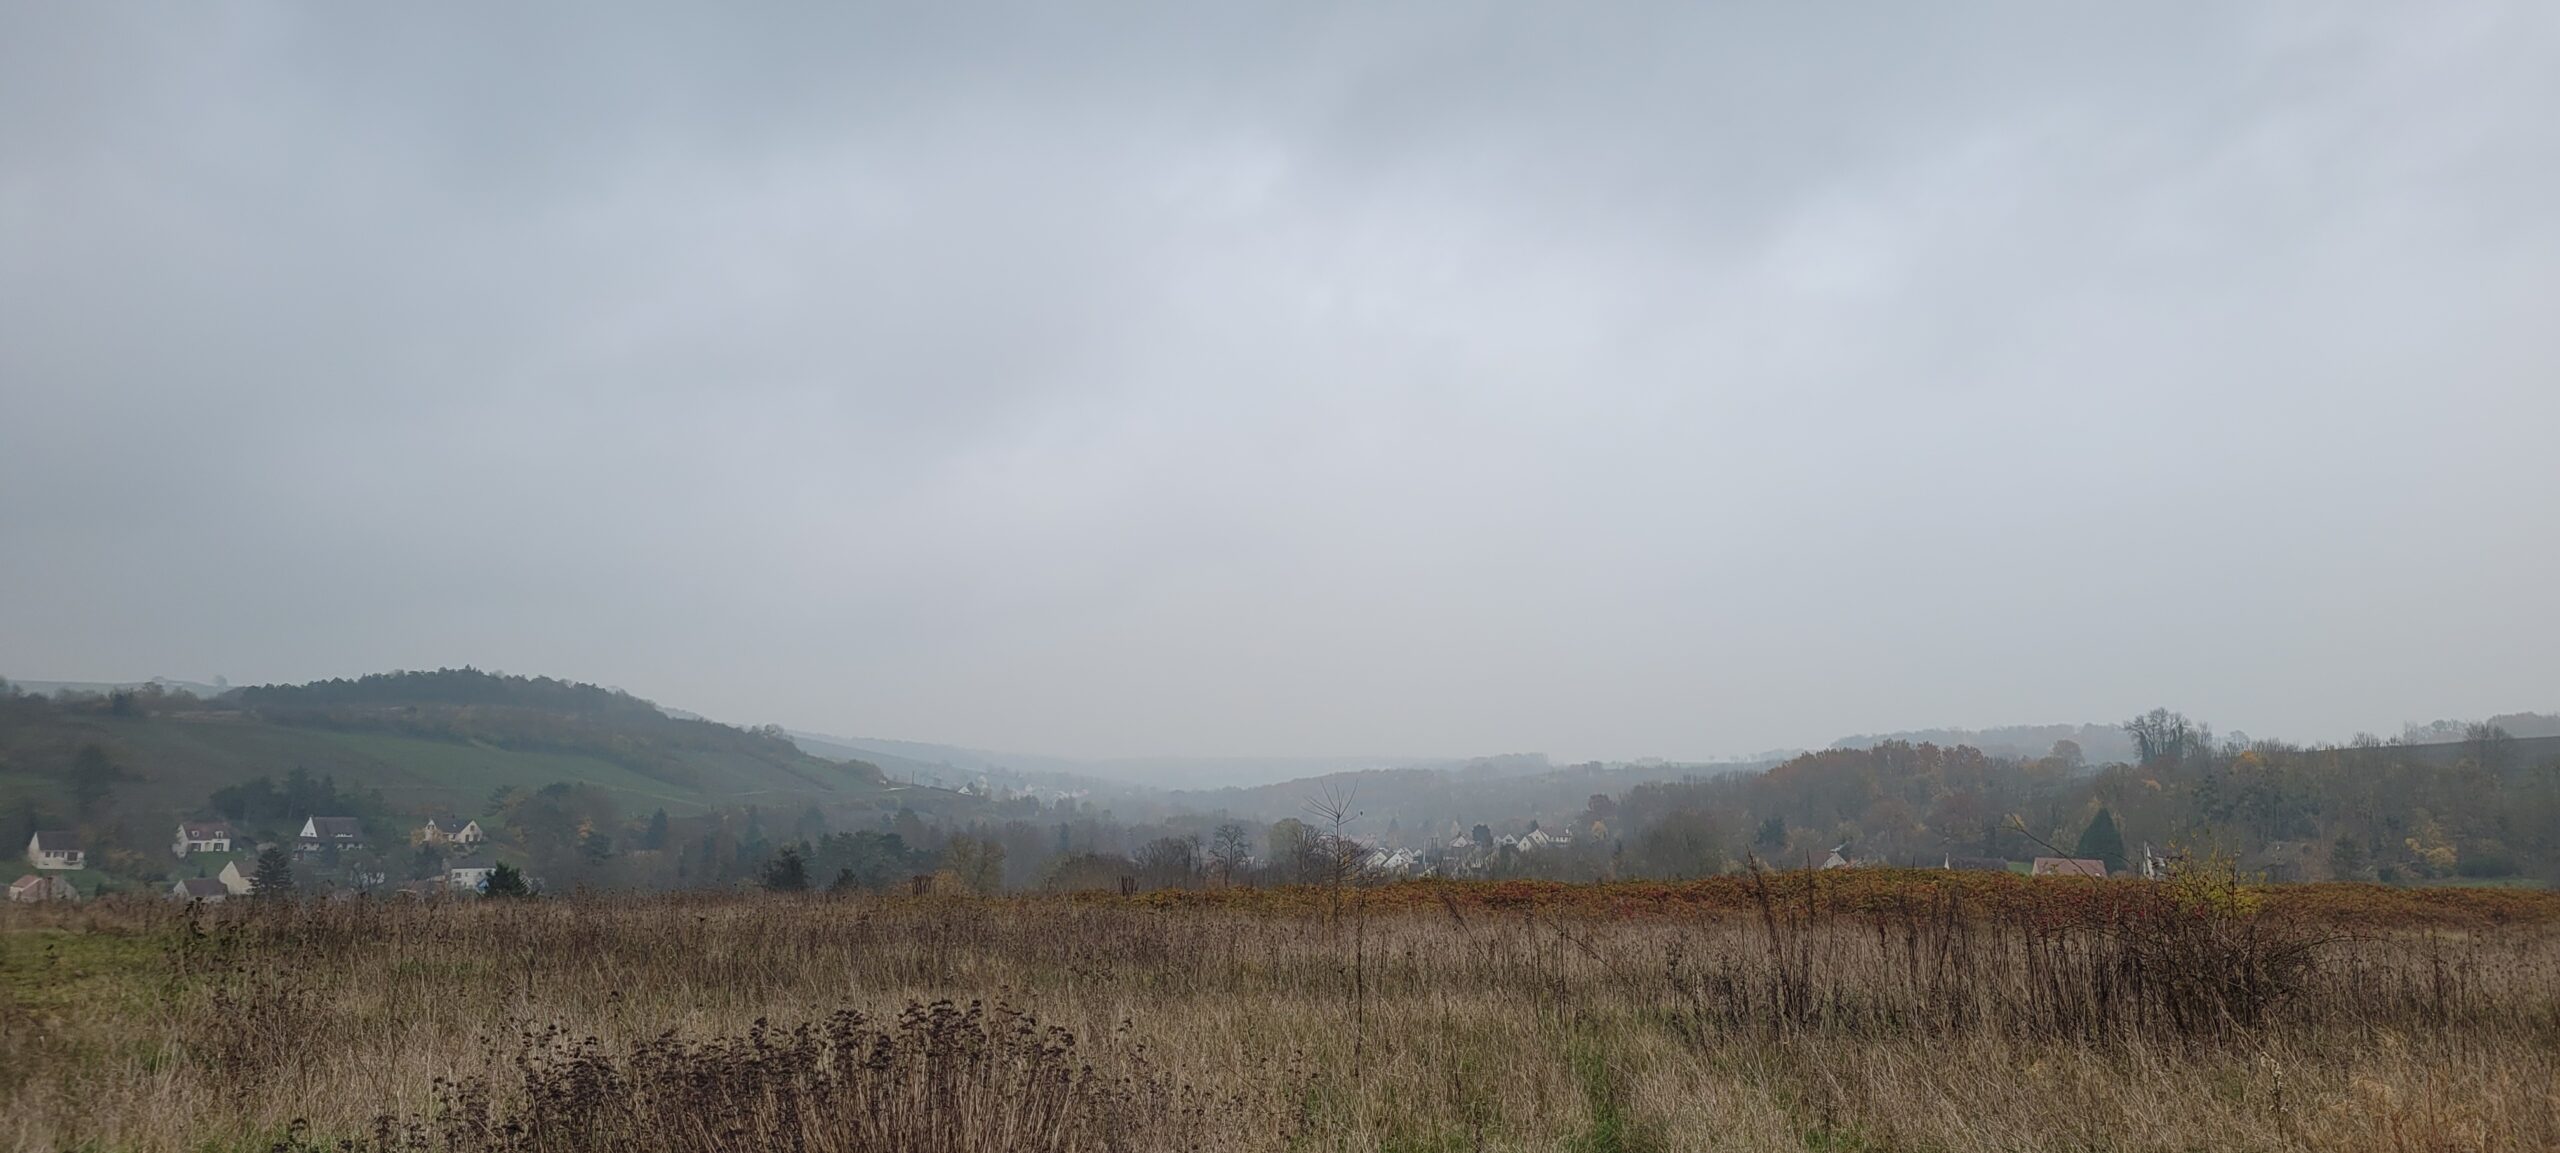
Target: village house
{"x": 1392, "y": 862}
{"x": 37, "y": 887}
{"x": 471, "y": 874}
{"x": 205, "y": 889}
{"x": 56, "y": 850}
{"x": 1975, "y": 864}
{"x": 233, "y": 880}
{"x": 2068, "y": 867}
{"x": 202, "y": 837}
{"x": 1536, "y": 839}
{"x": 320, "y": 833}
{"x": 451, "y": 830}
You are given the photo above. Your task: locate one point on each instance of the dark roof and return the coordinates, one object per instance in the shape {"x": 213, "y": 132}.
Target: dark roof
{"x": 471, "y": 863}
{"x": 337, "y": 828}
{"x": 203, "y": 887}
{"x": 2069, "y": 867}
{"x": 197, "y": 830}
{"x": 57, "y": 841}
{"x": 1978, "y": 864}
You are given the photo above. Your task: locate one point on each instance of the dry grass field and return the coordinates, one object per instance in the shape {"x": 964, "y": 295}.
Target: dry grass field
{"x": 1887, "y": 1012}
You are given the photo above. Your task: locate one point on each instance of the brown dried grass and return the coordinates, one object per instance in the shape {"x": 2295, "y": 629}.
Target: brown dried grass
{"x": 962, "y": 1025}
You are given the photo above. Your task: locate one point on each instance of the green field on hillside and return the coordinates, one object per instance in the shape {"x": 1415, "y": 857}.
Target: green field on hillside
{"x": 183, "y": 762}
{"x": 180, "y": 762}
{"x": 416, "y": 772}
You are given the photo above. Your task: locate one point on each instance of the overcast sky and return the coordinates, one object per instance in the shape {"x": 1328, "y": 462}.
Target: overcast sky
{"x": 1600, "y": 380}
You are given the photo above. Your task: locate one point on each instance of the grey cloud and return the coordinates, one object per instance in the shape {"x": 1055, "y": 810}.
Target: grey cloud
{"x": 1306, "y": 379}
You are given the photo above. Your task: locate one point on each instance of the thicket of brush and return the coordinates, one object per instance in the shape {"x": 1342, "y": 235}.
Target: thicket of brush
{"x": 2122, "y": 1017}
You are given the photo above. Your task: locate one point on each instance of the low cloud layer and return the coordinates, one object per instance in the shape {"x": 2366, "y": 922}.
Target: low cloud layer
{"x": 1301, "y": 380}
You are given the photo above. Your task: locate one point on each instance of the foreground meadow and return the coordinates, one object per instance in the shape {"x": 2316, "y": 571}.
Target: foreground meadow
{"x": 1881, "y": 1012}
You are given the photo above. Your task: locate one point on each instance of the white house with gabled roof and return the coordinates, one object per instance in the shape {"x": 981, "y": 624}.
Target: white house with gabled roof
{"x": 202, "y": 837}
{"x": 57, "y": 850}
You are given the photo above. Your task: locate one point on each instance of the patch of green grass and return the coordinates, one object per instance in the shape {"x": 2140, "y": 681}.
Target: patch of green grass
{"x": 50, "y": 969}
{"x": 430, "y": 772}
{"x": 1612, "y": 1129}
{"x": 208, "y": 864}
{"x": 1831, "y": 1140}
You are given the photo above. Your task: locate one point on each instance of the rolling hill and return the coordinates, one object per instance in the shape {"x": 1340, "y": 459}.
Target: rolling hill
{"x": 423, "y": 741}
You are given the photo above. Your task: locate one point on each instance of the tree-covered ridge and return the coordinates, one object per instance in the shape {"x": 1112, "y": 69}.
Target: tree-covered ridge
{"x": 2485, "y": 807}
{"x": 462, "y": 686}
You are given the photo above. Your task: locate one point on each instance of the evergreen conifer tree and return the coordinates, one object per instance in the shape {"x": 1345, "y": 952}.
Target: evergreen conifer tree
{"x": 506, "y": 881}
{"x": 787, "y": 873}
{"x": 2101, "y": 841}
{"x": 274, "y": 878}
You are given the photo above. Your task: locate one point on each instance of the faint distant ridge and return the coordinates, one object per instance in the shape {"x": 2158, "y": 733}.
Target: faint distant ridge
{"x": 102, "y": 688}
{"x": 2100, "y": 744}
{"x": 1447, "y": 796}
{"x": 1162, "y": 772}
{"x": 2517, "y": 725}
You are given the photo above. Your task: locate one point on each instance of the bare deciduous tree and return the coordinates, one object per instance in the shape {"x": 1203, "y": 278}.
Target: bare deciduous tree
{"x": 1230, "y": 851}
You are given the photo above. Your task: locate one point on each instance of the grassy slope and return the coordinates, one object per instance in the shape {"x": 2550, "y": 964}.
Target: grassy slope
{"x": 181, "y": 761}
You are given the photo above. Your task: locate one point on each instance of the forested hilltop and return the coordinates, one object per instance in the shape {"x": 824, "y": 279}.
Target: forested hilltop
{"x": 2485, "y": 807}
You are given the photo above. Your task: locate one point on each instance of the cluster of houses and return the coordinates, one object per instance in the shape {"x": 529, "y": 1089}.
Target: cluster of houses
{"x": 1529, "y": 842}
{"x": 1463, "y": 855}
{"x": 55, "y": 853}
{"x": 1394, "y": 862}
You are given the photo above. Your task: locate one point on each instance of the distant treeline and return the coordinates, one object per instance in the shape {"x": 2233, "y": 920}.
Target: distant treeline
{"x": 2483, "y": 807}
{"x": 462, "y": 686}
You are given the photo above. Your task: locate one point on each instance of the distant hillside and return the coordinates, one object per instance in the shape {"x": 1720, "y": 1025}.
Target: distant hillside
{"x": 2109, "y": 744}
{"x": 1112, "y": 773}
{"x": 2099, "y": 744}
{"x": 425, "y": 740}
{"x": 1423, "y": 802}
{"x": 1416, "y": 798}
{"x": 2503, "y": 754}
{"x": 101, "y": 688}
{"x": 2513, "y": 724}
{"x": 912, "y": 760}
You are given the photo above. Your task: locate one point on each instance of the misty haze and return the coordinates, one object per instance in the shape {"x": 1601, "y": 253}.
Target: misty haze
{"x": 992, "y": 577}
